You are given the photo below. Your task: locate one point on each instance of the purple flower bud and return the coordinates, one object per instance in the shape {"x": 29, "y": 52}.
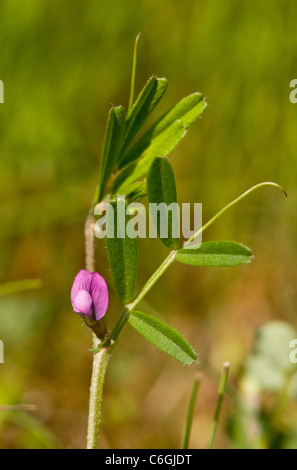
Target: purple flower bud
{"x": 89, "y": 295}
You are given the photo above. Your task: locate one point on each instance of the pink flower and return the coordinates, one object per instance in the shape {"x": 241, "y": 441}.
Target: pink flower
{"x": 89, "y": 295}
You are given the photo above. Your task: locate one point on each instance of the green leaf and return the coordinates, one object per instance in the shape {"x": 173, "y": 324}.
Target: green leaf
{"x": 163, "y": 336}
{"x": 145, "y": 103}
{"x": 159, "y": 140}
{"x": 111, "y": 146}
{"x": 121, "y": 250}
{"x": 179, "y": 117}
{"x": 137, "y": 170}
{"x": 216, "y": 254}
{"x": 132, "y": 87}
{"x": 135, "y": 191}
{"x": 161, "y": 190}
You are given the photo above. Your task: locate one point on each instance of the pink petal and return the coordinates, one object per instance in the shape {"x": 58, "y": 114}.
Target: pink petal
{"x": 82, "y": 281}
{"x": 99, "y": 294}
{"x": 83, "y": 303}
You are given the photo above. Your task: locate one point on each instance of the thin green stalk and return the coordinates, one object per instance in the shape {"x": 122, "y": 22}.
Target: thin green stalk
{"x": 190, "y": 412}
{"x": 231, "y": 204}
{"x": 221, "y": 393}
{"x": 215, "y": 375}
{"x": 146, "y": 288}
{"x": 132, "y": 87}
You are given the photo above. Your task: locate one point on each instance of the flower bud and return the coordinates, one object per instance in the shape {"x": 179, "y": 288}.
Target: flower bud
{"x": 89, "y": 295}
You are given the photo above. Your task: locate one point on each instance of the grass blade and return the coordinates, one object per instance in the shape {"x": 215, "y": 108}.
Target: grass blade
{"x": 221, "y": 393}
{"x": 190, "y": 412}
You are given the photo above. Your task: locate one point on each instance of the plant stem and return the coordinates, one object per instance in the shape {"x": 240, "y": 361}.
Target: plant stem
{"x": 190, "y": 413}
{"x": 100, "y": 361}
{"x": 89, "y": 242}
{"x": 146, "y": 288}
{"x": 222, "y": 387}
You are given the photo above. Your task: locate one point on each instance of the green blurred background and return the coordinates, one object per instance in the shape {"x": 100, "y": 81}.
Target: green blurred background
{"x": 62, "y": 65}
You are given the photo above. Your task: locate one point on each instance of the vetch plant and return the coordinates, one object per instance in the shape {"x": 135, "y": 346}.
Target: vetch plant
{"x": 136, "y": 167}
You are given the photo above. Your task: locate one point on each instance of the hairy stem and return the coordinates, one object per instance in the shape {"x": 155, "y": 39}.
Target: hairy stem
{"x": 100, "y": 361}
{"x": 89, "y": 242}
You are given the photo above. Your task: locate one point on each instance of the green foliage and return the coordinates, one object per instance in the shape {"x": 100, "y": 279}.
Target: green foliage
{"x": 179, "y": 117}
{"x": 134, "y": 191}
{"x": 216, "y": 254}
{"x": 145, "y": 103}
{"x": 160, "y": 139}
{"x": 163, "y": 336}
{"x": 111, "y": 146}
{"x": 161, "y": 189}
{"x": 121, "y": 250}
